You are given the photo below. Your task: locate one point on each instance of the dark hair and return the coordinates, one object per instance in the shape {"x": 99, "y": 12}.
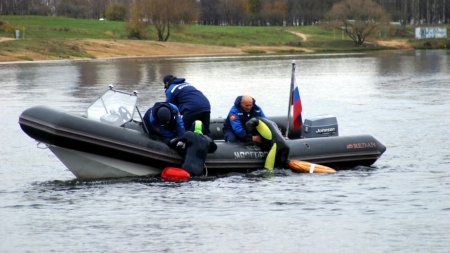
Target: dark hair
{"x": 169, "y": 79}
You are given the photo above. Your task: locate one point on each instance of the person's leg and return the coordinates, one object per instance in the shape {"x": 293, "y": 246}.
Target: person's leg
{"x": 279, "y": 150}
{"x": 282, "y": 156}
{"x": 205, "y": 118}
{"x": 270, "y": 159}
{"x": 196, "y": 150}
{"x": 229, "y": 136}
{"x": 188, "y": 119}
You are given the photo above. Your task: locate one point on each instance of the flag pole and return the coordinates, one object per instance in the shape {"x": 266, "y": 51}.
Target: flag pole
{"x": 291, "y": 90}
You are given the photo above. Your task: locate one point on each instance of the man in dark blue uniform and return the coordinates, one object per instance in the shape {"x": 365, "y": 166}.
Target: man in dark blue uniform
{"x": 243, "y": 110}
{"x": 192, "y": 103}
{"x": 163, "y": 121}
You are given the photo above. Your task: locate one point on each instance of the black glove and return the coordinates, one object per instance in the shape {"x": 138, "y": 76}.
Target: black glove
{"x": 248, "y": 137}
{"x": 251, "y": 124}
{"x": 173, "y": 142}
{"x": 212, "y": 145}
{"x": 180, "y": 146}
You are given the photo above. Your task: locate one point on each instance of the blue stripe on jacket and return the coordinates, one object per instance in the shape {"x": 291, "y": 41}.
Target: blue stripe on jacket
{"x": 187, "y": 97}
{"x": 175, "y": 127}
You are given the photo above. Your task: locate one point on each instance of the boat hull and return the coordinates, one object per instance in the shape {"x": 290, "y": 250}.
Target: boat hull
{"x": 88, "y": 166}
{"x": 106, "y": 151}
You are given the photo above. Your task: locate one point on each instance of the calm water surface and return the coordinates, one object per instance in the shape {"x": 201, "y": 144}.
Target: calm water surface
{"x": 401, "y": 204}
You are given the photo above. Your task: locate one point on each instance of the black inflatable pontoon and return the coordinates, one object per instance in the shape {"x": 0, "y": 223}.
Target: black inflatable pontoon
{"x": 114, "y": 145}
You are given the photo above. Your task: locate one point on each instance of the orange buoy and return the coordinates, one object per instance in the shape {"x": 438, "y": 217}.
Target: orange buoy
{"x": 175, "y": 174}
{"x": 307, "y": 167}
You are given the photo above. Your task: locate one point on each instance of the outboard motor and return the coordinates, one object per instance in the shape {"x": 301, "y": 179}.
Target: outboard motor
{"x": 320, "y": 126}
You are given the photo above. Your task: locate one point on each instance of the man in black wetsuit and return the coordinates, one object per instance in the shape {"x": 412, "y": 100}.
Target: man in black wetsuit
{"x": 194, "y": 146}
{"x": 271, "y": 140}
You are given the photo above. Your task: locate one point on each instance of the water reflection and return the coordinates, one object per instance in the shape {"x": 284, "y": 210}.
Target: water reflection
{"x": 338, "y": 78}
{"x": 412, "y": 63}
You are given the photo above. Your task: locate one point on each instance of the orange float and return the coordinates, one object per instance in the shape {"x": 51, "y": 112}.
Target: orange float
{"x": 307, "y": 167}
{"x": 175, "y": 174}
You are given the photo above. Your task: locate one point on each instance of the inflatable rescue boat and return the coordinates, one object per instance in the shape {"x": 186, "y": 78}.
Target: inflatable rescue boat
{"x": 110, "y": 141}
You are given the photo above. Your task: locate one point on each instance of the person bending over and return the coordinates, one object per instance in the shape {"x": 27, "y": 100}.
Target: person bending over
{"x": 194, "y": 146}
{"x": 271, "y": 140}
{"x": 192, "y": 103}
{"x": 163, "y": 121}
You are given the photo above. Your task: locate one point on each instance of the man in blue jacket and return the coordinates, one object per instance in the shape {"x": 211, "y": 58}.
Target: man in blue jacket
{"x": 192, "y": 103}
{"x": 164, "y": 122}
{"x": 243, "y": 110}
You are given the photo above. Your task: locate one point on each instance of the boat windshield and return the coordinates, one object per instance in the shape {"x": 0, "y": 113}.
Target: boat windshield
{"x": 113, "y": 107}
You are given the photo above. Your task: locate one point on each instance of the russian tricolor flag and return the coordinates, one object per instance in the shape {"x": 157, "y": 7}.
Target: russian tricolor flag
{"x": 297, "y": 103}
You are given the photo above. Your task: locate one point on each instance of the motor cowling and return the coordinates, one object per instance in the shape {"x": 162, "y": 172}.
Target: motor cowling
{"x": 320, "y": 126}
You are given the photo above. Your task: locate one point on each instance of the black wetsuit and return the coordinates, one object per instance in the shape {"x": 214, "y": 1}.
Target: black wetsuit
{"x": 194, "y": 148}
{"x": 272, "y": 141}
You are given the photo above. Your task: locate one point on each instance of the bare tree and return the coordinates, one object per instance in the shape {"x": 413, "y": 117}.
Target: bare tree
{"x": 162, "y": 14}
{"x": 136, "y": 23}
{"x": 209, "y": 12}
{"x": 254, "y": 9}
{"x": 358, "y": 18}
{"x": 274, "y": 12}
{"x": 233, "y": 12}
{"x": 74, "y": 8}
{"x": 99, "y": 8}
{"x": 116, "y": 11}
{"x": 443, "y": 11}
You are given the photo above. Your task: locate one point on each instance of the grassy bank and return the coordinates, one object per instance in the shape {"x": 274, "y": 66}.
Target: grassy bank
{"x": 49, "y": 35}
{"x": 55, "y": 36}
{"x": 39, "y": 27}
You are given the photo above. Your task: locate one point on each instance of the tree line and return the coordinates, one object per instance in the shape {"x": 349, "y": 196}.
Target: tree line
{"x": 226, "y": 12}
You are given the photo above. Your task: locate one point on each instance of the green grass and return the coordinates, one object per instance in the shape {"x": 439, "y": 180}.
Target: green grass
{"x": 54, "y": 48}
{"x": 232, "y": 35}
{"x": 39, "y": 27}
{"x": 318, "y": 33}
{"x": 51, "y": 35}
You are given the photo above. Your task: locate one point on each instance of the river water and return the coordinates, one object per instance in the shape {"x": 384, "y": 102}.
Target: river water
{"x": 400, "y": 204}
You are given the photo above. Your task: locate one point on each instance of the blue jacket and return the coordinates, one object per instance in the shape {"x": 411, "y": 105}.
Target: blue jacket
{"x": 174, "y": 129}
{"x": 237, "y": 118}
{"x": 186, "y": 97}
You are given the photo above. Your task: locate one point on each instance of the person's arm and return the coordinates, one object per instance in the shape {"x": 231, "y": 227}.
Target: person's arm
{"x": 212, "y": 145}
{"x": 180, "y": 129}
{"x": 180, "y": 126}
{"x": 251, "y": 128}
{"x": 236, "y": 124}
{"x": 169, "y": 96}
{"x": 261, "y": 113}
{"x": 179, "y": 144}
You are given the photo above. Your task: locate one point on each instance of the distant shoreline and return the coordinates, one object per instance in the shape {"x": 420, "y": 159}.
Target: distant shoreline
{"x": 122, "y": 49}
{"x": 114, "y": 49}
{"x": 60, "y": 38}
